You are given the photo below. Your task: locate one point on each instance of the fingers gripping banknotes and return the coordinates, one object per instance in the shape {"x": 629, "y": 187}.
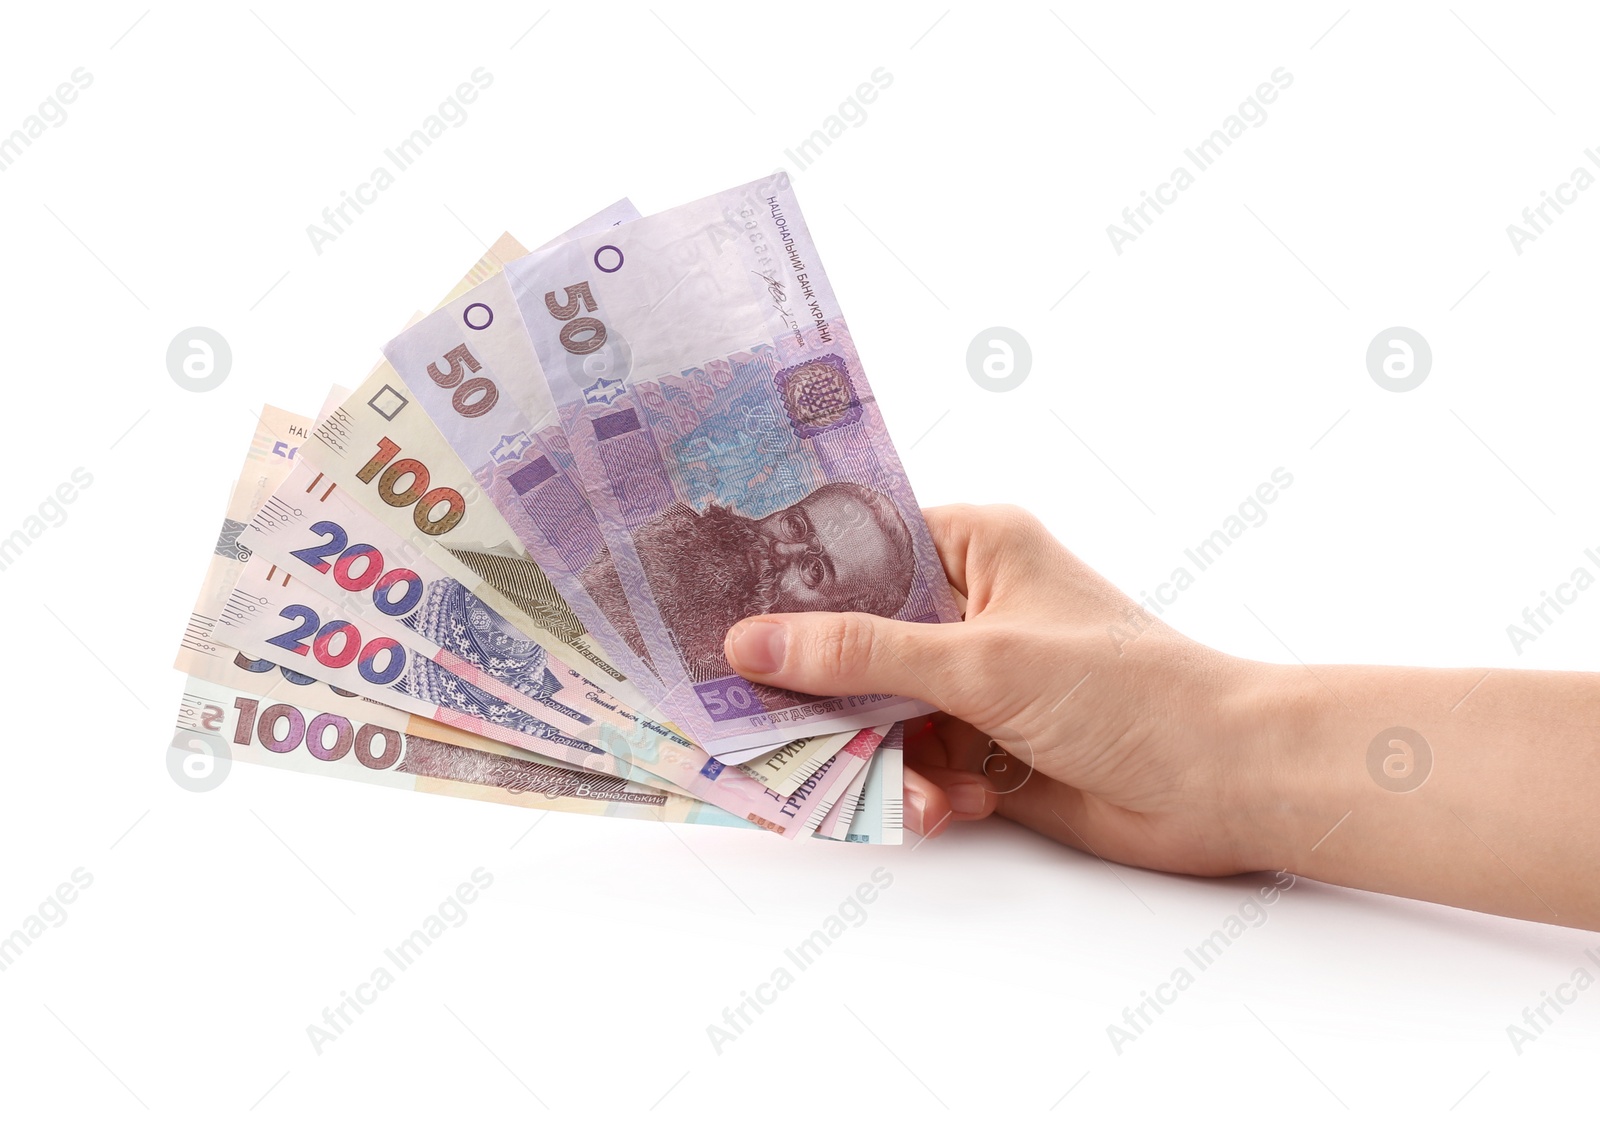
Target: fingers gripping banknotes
{"x": 733, "y": 453}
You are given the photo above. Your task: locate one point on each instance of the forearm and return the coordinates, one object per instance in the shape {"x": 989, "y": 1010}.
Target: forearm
{"x": 1496, "y": 808}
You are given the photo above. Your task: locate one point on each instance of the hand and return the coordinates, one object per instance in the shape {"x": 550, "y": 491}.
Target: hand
{"x": 1066, "y": 706}
{"x": 1072, "y": 710}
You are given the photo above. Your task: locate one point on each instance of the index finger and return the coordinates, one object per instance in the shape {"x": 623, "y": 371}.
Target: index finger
{"x": 951, "y": 530}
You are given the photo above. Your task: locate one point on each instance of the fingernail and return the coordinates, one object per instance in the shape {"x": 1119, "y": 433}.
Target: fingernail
{"x": 966, "y": 798}
{"x": 757, "y": 646}
{"x": 916, "y": 806}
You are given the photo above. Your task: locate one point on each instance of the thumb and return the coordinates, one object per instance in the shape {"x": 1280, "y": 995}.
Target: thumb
{"x": 845, "y": 654}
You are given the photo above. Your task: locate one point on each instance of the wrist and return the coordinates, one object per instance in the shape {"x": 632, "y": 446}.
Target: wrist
{"x": 1286, "y": 781}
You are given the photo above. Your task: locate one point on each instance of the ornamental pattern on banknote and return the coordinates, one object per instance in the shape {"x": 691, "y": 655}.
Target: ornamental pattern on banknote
{"x": 526, "y": 586}
{"x": 735, "y": 442}
{"x": 818, "y": 395}
{"x": 433, "y": 759}
{"x": 463, "y": 624}
{"x": 228, "y": 541}
{"x": 431, "y": 683}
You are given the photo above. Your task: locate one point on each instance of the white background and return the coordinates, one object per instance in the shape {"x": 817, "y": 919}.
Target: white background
{"x": 1227, "y": 341}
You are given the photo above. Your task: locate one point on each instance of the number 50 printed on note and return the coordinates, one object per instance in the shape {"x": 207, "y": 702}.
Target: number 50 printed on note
{"x": 731, "y": 448}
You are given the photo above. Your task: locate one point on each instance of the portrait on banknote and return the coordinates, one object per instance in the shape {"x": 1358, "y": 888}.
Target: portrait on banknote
{"x": 843, "y": 547}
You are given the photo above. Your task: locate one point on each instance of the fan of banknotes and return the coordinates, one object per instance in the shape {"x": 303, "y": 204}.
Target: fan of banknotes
{"x": 503, "y": 566}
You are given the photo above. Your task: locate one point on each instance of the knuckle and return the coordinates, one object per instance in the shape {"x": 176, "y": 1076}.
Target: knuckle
{"x": 954, "y": 520}
{"x": 1012, "y": 521}
{"x": 962, "y": 513}
{"x": 844, "y": 647}
{"x": 1005, "y": 537}
{"x": 991, "y": 645}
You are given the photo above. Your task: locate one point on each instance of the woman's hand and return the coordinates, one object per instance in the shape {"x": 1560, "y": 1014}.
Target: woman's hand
{"x": 1066, "y": 706}
{"x": 1071, "y": 709}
